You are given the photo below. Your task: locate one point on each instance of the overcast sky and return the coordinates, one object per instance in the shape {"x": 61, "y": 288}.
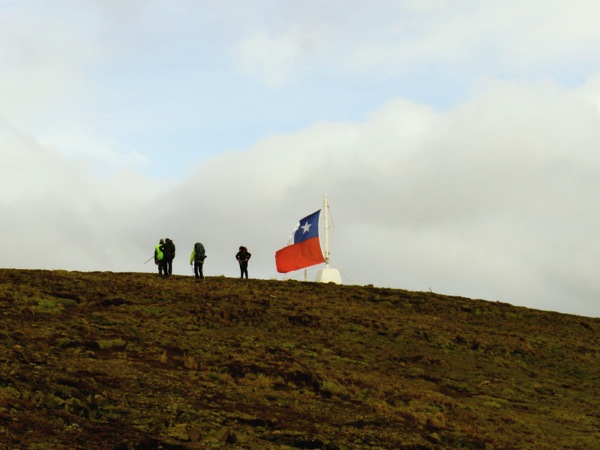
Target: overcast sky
{"x": 458, "y": 141}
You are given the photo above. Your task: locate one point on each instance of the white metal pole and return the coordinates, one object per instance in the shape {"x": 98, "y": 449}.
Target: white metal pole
{"x": 326, "y": 225}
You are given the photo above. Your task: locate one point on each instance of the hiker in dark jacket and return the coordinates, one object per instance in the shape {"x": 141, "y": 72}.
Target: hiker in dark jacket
{"x": 169, "y": 255}
{"x": 197, "y": 258}
{"x": 243, "y": 256}
{"x": 159, "y": 257}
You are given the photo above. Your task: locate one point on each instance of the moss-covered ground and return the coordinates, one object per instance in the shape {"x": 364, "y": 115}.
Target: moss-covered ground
{"x": 132, "y": 361}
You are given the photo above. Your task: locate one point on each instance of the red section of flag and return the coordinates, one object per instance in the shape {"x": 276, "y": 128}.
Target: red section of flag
{"x": 298, "y": 256}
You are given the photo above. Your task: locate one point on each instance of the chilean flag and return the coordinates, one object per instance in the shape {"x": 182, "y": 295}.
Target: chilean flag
{"x": 305, "y": 251}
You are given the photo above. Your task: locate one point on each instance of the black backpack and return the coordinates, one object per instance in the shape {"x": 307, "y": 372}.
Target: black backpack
{"x": 200, "y": 254}
{"x": 169, "y": 249}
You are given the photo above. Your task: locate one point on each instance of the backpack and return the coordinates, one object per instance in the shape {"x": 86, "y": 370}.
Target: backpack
{"x": 169, "y": 249}
{"x": 200, "y": 254}
{"x": 243, "y": 255}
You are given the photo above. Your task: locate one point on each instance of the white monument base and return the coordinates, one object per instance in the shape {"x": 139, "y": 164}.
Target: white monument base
{"x": 328, "y": 276}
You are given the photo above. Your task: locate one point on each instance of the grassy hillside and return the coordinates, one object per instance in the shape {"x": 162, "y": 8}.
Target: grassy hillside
{"x": 134, "y": 361}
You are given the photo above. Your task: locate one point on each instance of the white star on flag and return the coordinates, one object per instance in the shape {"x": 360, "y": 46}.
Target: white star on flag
{"x": 306, "y": 227}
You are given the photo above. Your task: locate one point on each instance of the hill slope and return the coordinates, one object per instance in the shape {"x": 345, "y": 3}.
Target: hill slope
{"x": 134, "y": 361}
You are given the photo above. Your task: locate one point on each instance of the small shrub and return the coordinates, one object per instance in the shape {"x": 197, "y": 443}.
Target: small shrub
{"x": 261, "y": 381}
{"x": 438, "y": 421}
{"x": 164, "y": 358}
{"x": 106, "y": 344}
{"x": 331, "y": 388}
{"x": 190, "y": 362}
{"x": 47, "y": 307}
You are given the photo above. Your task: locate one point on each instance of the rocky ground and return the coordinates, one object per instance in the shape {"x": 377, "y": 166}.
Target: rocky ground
{"x": 133, "y": 361}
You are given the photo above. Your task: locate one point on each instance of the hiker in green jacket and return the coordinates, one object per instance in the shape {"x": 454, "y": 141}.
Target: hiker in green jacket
{"x": 197, "y": 258}
{"x": 159, "y": 257}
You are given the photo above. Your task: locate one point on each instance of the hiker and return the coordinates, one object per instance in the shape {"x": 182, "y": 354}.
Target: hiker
{"x": 159, "y": 257}
{"x": 243, "y": 256}
{"x": 197, "y": 258}
{"x": 169, "y": 256}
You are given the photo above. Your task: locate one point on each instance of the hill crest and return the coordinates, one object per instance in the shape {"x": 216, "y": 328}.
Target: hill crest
{"x": 129, "y": 360}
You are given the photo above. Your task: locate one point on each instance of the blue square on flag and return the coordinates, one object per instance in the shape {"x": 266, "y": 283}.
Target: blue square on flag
{"x": 308, "y": 228}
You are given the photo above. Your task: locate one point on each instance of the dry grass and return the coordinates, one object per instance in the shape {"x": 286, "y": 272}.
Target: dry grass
{"x": 136, "y": 361}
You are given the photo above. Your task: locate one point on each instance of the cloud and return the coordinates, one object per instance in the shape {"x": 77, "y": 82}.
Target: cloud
{"x": 492, "y": 199}
{"x": 62, "y": 212}
{"x": 489, "y": 197}
{"x": 387, "y": 39}
{"x": 44, "y": 60}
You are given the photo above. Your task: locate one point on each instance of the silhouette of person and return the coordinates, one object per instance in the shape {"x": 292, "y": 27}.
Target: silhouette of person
{"x": 169, "y": 256}
{"x": 243, "y": 256}
{"x": 197, "y": 258}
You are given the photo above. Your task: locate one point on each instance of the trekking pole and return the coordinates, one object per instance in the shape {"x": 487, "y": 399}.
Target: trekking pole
{"x": 149, "y": 259}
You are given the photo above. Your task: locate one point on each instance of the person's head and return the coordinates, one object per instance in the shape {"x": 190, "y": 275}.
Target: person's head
{"x": 161, "y": 241}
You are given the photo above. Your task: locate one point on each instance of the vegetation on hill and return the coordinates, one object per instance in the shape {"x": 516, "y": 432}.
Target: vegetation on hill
{"x": 133, "y": 361}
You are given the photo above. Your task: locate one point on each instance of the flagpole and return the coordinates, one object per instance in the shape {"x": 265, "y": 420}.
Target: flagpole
{"x": 326, "y": 225}
{"x": 327, "y": 275}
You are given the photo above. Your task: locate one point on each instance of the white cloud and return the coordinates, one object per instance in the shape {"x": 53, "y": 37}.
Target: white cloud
{"x": 44, "y": 59}
{"x": 386, "y": 39}
{"x": 493, "y": 197}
